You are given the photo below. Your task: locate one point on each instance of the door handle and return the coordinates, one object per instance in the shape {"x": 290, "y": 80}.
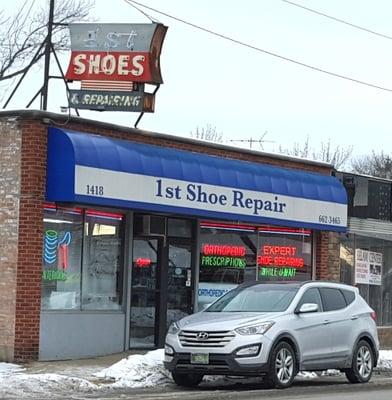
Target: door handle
{"x": 326, "y": 322}
{"x": 354, "y": 317}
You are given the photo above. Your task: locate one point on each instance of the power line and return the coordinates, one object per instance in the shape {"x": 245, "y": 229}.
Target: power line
{"x": 291, "y": 60}
{"x": 337, "y": 19}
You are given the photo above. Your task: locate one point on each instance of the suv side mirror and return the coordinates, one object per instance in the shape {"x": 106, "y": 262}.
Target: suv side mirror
{"x": 307, "y": 308}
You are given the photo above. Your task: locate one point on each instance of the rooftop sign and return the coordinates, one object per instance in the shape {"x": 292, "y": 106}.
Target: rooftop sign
{"x": 113, "y": 62}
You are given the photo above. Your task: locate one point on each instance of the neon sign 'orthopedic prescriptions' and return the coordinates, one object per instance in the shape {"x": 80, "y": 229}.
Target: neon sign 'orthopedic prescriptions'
{"x": 216, "y": 255}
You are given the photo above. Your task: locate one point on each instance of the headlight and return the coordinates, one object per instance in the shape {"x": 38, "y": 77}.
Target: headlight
{"x": 259, "y": 329}
{"x": 173, "y": 328}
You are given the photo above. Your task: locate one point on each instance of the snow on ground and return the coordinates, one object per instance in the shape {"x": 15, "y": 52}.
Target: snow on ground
{"x": 385, "y": 360}
{"x": 138, "y": 371}
{"x": 24, "y": 385}
{"x": 134, "y": 371}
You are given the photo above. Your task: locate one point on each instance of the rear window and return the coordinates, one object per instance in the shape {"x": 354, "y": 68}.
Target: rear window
{"x": 349, "y": 296}
{"x": 333, "y": 299}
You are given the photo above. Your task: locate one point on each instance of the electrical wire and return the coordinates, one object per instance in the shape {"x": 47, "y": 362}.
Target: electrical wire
{"x": 291, "y": 60}
{"x": 337, "y": 19}
{"x": 142, "y": 12}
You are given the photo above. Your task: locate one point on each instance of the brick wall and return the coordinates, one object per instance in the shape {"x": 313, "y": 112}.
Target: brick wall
{"x": 28, "y": 293}
{"x": 26, "y": 265}
{"x": 10, "y": 150}
{"x": 328, "y": 256}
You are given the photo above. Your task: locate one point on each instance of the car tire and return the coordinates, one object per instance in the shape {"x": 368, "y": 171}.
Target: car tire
{"x": 282, "y": 367}
{"x": 362, "y": 363}
{"x": 187, "y": 380}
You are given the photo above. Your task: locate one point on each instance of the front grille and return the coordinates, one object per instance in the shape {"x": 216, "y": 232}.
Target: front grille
{"x": 205, "y": 338}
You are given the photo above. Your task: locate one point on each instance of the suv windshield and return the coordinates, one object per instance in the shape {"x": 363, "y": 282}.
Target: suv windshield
{"x": 257, "y": 298}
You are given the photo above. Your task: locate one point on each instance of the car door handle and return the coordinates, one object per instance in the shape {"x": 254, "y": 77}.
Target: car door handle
{"x": 354, "y": 317}
{"x": 326, "y": 322}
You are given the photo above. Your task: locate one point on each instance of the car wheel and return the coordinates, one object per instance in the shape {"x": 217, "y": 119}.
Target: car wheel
{"x": 187, "y": 380}
{"x": 283, "y": 368}
{"x": 362, "y": 364}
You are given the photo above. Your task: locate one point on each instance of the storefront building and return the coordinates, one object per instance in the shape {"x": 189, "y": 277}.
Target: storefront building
{"x": 366, "y": 247}
{"x": 108, "y": 234}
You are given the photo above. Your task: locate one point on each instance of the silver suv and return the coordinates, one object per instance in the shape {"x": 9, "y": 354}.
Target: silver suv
{"x": 276, "y": 330}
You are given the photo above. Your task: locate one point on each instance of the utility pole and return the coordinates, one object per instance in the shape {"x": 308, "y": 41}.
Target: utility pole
{"x": 48, "y": 48}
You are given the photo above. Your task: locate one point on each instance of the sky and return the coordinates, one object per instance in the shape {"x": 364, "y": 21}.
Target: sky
{"x": 246, "y": 93}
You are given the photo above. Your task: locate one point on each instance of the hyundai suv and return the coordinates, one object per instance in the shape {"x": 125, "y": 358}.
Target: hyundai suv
{"x": 276, "y": 330}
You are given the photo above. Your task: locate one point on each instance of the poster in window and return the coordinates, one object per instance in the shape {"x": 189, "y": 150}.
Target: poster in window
{"x": 362, "y": 266}
{"x": 375, "y": 267}
{"x": 368, "y": 267}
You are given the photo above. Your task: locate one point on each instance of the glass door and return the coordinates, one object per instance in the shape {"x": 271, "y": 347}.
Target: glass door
{"x": 180, "y": 280}
{"x": 161, "y": 288}
{"x": 145, "y": 292}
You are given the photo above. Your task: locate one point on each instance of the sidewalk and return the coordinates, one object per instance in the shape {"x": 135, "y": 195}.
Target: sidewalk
{"x": 81, "y": 368}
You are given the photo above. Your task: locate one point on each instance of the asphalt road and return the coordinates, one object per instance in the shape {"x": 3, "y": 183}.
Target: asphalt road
{"x": 323, "y": 388}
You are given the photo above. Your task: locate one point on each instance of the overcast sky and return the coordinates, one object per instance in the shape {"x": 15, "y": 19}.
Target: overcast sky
{"x": 243, "y": 92}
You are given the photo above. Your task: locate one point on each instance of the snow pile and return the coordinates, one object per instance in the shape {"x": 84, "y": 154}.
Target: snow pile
{"x": 6, "y": 369}
{"x": 385, "y": 360}
{"x": 22, "y": 385}
{"x": 137, "y": 371}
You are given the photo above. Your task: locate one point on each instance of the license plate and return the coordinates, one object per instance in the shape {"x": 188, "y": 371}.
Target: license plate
{"x": 200, "y": 358}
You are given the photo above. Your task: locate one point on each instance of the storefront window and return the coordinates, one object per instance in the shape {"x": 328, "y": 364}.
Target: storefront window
{"x": 61, "y": 275}
{"x": 233, "y": 254}
{"x": 284, "y": 254}
{"x": 102, "y": 275}
{"x": 81, "y": 259}
{"x": 227, "y": 258}
{"x": 371, "y": 271}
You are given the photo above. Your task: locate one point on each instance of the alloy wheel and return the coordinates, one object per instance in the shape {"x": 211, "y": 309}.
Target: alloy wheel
{"x": 284, "y": 365}
{"x": 364, "y": 361}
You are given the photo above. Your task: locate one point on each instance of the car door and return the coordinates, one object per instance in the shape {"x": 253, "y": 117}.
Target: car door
{"x": 311, "y": 333}
{"x": 339, "y": 319}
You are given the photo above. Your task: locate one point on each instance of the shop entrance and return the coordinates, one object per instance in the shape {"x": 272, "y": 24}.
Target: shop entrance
{"x": 161, "y": 287}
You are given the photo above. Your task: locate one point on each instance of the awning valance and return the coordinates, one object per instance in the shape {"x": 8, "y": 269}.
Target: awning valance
{"x": 93, "y": 169}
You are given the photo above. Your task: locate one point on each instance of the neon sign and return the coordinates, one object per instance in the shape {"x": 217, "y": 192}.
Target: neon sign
{"x": 229, "y": 262}
{"x": 56, "y": 249}
{"x": 280, "y": 272}
{"x": 143, "y": 262}
{"x": 280, "y": 256}
{"x": 54, "y": 275}
{"x": 218, "y": 255}
{"x": 223, "y": 250}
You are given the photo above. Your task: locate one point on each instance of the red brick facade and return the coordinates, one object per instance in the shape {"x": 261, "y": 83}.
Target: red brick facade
{"x": 33, "y": 127}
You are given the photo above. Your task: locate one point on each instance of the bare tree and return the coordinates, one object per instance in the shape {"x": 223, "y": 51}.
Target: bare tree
{"x": 376, "y": 164}
{"x": 209, "y": 133}
{"x": 22, "y": 35}
{"x": 336, "y": 155}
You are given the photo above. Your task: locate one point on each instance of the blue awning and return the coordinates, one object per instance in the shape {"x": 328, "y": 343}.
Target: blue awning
{"x": 94, "y": 169}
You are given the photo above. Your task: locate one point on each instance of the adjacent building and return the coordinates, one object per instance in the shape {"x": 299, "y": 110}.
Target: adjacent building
{"x": 366, "y": 247}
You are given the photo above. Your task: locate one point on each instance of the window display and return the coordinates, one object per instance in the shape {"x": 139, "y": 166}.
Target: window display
{"x": 102, "y": 275}
{"x": 61, "y": 274}
{"x": 231, "y": 254}
{"x": 73, "y": 278}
